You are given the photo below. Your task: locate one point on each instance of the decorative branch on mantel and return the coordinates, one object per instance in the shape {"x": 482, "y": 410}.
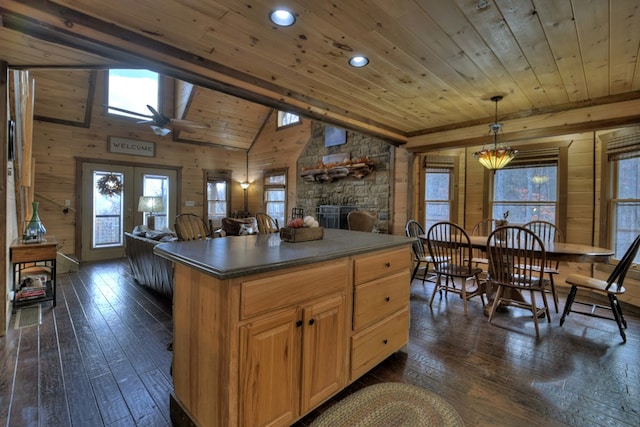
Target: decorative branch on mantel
{"x": 358, "y": 168}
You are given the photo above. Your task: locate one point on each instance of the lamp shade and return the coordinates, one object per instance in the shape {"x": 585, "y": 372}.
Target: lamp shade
{"x": 495, "y": 158}
{"x": 150, "y": 204}
{"x": 498, "y": 156}
{"x": 244, "y": 185}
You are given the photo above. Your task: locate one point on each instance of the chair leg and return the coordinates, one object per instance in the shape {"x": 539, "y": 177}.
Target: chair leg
{"x": 553, "y": 291}
{"x": 435, "y": 289}
{"x": 617, "y": 313}
{"x": 463, "y": 294}
{"x": 424, "y": 276}
{"x": 415, "y": 270}
{"x": 534, "y": 309}
{"x": 567, "y": 305}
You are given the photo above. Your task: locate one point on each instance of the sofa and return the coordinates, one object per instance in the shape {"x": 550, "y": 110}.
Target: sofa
{"x": 147, "y": 268}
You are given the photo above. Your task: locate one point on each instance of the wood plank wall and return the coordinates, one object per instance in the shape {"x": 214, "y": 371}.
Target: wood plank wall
{"x": 56, "y": 147}
{"x": 274, "y": 149}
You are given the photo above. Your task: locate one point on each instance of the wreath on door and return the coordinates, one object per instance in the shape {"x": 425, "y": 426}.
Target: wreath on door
{"x": 110, "y": 185}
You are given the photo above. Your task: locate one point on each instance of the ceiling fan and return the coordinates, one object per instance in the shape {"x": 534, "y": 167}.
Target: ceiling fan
{"x": 162, "y": 124}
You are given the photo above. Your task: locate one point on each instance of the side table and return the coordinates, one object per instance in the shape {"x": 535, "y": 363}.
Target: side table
{"x": 35, "y": 263}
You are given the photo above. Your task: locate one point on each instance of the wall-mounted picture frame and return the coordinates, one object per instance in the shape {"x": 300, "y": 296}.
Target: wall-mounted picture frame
{"x": 334, "y": 136}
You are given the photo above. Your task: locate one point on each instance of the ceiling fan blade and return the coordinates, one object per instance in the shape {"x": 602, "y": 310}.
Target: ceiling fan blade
{"x": 183, "y": 124}
{"x": 133, "y": 113}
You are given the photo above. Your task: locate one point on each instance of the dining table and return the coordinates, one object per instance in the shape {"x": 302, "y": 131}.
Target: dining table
{"x": 560, "y": 251}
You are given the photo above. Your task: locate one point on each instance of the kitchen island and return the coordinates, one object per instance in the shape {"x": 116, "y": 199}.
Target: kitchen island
{"x": 266, "y": 330}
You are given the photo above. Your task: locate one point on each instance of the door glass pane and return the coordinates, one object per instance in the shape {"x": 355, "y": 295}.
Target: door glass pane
{"x": 108, "y": 211}
{"x": 158, "y": 186}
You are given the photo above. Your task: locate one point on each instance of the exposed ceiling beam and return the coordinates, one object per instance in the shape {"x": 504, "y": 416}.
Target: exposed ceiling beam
{"x": 56, "y": 24}
{"x": 587, "y": 119}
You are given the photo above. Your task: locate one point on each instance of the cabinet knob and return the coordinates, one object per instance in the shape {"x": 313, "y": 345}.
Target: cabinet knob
{"x": 299, "y": 323}
{"x": 388, "y": 264}
{"x": 387, "y": 299}
{"x": 312, "y": 321}
{"x": 385, "y": 341}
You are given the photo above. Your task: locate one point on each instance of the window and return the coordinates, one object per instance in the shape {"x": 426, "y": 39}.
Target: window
{"x": 132, "y": 90}
{"x": 624, "y": 163}
{"x": 218, "y": 195}
{"x": 527, "y": 189}
{"x": 287, "y": 119}
{"x": 275, "y": 195}
{"x": 438, "y": 189}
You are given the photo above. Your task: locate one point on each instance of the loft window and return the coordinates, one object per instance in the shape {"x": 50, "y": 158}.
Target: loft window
{"x": 132, "y": 90}
{"x": 286, "y": 119}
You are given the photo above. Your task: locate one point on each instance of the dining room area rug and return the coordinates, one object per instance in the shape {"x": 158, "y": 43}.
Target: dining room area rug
{"x": 390, "y": 404}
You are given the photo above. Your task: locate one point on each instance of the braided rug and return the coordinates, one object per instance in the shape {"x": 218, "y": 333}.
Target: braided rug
{"x": 390, "y": 405}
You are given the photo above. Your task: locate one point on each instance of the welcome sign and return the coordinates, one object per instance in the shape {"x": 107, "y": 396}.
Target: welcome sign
{"x": 132, "y": 147}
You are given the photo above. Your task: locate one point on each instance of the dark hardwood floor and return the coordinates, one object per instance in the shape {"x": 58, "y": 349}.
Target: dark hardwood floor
{"x": 100, "y": 358}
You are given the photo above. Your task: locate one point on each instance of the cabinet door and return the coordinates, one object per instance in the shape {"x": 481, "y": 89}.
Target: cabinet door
{"x": 269, "y": 370}
{"x": 323, "y": 355}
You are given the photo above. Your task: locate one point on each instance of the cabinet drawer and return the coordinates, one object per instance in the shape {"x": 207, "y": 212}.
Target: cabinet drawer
{"x": 286, "y": 289}
{"x": 381, "y": 264}
{"x": 33, "y": 254}
{"x": 374, "y": 344}
{"x": 379, "y": 298}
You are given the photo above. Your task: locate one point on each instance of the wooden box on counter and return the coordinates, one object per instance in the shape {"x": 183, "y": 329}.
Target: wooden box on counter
{"x": 303, "y": 234}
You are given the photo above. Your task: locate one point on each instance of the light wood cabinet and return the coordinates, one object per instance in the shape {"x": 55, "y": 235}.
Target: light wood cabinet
{"x": 267, "y": 348}
{"x": 291, "y": 362}
{"x": 380, "y": 308}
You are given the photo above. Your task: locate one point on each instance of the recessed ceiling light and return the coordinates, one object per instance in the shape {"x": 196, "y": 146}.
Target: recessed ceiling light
{"x": 358, "y": 61}
{"x": 282, "y": 17}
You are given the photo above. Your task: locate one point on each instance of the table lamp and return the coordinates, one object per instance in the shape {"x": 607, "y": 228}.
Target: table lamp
{"x": 150, "y": 205}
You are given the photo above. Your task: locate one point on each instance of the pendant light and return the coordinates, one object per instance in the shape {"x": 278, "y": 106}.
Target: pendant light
{"x": 498, "y": 156}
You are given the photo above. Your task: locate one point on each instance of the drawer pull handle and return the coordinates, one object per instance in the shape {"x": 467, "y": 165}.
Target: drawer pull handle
{"x": 388, "y": 264}
{"x": 387, "y": 299}
{"x": 312, "y": 321}
{"x": 299, "y": 323}
{"x": 385, "y": 341}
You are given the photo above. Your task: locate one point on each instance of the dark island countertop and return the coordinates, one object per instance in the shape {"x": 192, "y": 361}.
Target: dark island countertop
{"x": 229, "y": 257}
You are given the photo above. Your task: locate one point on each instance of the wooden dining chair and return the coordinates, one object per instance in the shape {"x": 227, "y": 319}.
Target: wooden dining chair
{"x": 414, "y": 229}
{"x": 516, "y": 262}
{"x": 482, "y": 228}
{"x": 548, "y": 232}
{"x": 190, "y": 227}
{"x": 361, "y": 221}
{"x": 450, "y": 248}
{"x": 612, "y": 287}
{"x": 266, "y": 224}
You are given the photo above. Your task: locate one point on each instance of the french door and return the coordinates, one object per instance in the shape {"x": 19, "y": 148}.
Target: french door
{"x": 110, "y": 195}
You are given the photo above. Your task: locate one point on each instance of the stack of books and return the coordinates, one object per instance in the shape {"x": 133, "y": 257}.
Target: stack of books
{"x": 32, "y": 287}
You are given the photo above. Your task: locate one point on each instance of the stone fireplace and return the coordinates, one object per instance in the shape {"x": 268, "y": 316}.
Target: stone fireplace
{"x": 330, "y": 201}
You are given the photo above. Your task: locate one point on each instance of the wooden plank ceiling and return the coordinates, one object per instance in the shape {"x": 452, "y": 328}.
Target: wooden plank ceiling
{"x": 433, "y": 67}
